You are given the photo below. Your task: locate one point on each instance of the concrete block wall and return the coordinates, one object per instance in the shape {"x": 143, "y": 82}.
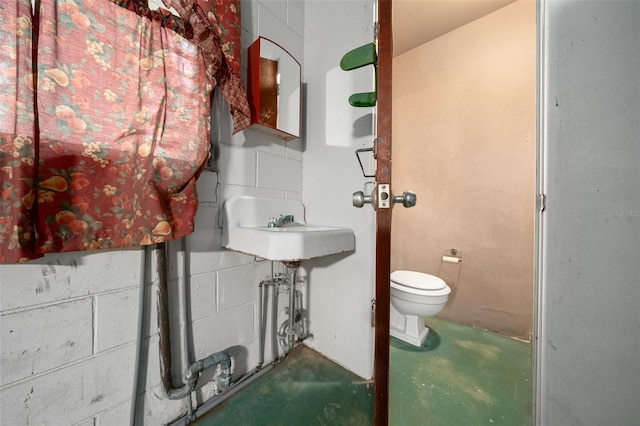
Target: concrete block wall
{"x": 68, "y": 337}
{"x": 69, "y": 322}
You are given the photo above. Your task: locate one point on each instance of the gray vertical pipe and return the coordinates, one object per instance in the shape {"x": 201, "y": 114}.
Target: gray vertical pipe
{"x": 184, "y": 326}
{"x": 160, "y": 250}
{"x": 261, "y": 326}
{"x": 144, "y": 254}
{"x": 191, "y": 376}
{"x": 291, "y": 334}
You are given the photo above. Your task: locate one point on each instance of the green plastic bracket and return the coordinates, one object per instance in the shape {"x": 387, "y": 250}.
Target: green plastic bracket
{"x": 358, "y": 58}
{"x": 363, "y": 99}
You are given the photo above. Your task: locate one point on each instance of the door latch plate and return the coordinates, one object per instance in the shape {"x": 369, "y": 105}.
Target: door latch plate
{"x": 384, "y": 196}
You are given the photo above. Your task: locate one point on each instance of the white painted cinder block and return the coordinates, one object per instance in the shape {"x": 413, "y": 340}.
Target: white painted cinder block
{"x": 273, "y": 28}
{"x": 117, "y": 318}
{"x": 294, "y": 149}
{"x": 37, "y": 340}
{"x": 230, "y": 190}
{"x": 278, "y": 8}
{"x": 68, "y": 275}
{"x": 278, "y": 172}
{"x": 207, "y": 186}
{"x": 119, "y": 415}
{"x": 260, "y": 141}
{"x": 152, "y": 363}
{"x": 206, "y": 216}
{"x": 202, "y": 295}
{"x": 295, "y": 17}
{"x": 249, "y": 11}
{"x": 154, "y": 409}
{"x": 237, "y": 165}
{"x": 88, "y": 422}
{"x": 230, "y": 328}
{"x": 71, "y": 394}
{"x": 207, "y": 255}
{"x": 238, "y": 286}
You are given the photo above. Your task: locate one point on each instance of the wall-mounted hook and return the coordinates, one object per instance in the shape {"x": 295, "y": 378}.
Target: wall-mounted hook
{"x": 357, "y": 58}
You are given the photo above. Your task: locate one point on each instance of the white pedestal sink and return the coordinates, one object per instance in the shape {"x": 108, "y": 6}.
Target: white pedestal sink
{"x": 246, "y": 230}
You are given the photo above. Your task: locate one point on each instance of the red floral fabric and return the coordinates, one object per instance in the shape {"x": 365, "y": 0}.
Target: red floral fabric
{"x": 222, "y": 68}
{"x": 17, "y": 133}
{"x": 224, "y": 16}
{"x": 122, "y": 129}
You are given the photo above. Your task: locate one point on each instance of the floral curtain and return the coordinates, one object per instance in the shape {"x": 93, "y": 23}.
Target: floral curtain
{"x": 102, "y": 140}
{"x": 18, "y": 143}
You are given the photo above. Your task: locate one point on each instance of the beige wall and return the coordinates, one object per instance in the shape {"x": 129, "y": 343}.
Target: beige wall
{"x": 464, "y": 141}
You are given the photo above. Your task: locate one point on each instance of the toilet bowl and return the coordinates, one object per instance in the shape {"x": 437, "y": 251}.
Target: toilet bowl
{"x": 414, "y": 296}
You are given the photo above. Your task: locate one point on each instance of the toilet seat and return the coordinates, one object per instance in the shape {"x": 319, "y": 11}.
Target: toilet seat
{"x": 419, "y": 283}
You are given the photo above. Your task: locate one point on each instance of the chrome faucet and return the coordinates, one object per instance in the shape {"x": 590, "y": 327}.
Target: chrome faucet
{"x": 281, "y": 221}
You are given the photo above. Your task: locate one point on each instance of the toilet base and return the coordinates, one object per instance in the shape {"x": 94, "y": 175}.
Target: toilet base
{"x": 414, "y": 331}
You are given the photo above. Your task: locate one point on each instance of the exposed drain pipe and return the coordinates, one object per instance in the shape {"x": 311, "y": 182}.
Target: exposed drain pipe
{"x": 191, "y": 376}
{"x": 291, "y": 333}
{"x": 287, "y": 330}
{"x": 260, "y": 369}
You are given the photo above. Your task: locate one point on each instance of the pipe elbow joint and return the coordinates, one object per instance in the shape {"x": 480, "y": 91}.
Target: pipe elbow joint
{"x": 224, "y": 379}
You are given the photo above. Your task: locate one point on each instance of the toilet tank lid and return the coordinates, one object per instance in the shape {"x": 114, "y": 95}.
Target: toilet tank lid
{"x": 418, "y": 280}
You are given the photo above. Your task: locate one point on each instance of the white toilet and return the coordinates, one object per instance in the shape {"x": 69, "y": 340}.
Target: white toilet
{"x": 414, "y": 296}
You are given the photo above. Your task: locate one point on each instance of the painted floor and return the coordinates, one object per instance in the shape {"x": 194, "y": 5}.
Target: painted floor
{"x": 305, "y": 389}
{"x": 460, "y": 376}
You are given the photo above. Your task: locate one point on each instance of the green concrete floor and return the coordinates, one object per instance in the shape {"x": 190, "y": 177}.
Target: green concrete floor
{"x": 460, "y": 376}
{"x": 305, "y": 389}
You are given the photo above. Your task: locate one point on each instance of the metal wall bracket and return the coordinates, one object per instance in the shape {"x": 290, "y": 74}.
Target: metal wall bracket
{"x": 374, "y": 150}
{"x": 373, "y": 313}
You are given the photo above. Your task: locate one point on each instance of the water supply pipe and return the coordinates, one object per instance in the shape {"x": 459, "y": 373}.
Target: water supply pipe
{"x": 260, "y": 338}
{"x": 160, "y": 251}
{"x": 193, "y": 371}
{"x": 292, "y": 268}
{"x": 183, "y": 312}
{"x": 274, "y": 316}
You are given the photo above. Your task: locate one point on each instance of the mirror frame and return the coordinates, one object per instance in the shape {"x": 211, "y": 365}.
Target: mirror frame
{"x": 289, "y": 89}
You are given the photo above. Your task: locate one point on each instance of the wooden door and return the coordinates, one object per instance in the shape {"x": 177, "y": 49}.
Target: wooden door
{"x": 383, "y": 217}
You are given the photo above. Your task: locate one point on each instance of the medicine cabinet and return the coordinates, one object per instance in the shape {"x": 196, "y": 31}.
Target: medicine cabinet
{"x": 274, "y": 89}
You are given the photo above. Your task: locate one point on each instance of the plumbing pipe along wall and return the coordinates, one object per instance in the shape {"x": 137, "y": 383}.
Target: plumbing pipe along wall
{"x": 193, "y": 372}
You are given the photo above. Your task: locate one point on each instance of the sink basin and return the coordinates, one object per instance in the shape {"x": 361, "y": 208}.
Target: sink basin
{"x": 245, "y": 231}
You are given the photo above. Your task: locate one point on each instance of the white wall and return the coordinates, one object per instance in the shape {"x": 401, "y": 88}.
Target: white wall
{"x": 68, "y": 323}
{"x": 589, "y": 321}
{"x": 341, "y": 287}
